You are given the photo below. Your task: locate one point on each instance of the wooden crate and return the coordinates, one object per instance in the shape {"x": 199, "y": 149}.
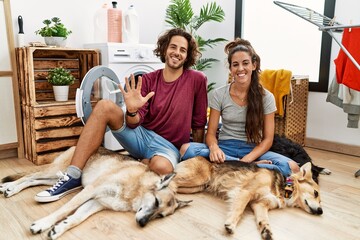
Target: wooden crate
{"x": 50, "y": 127}
{"x": 34, "y": 63}
{"x": 293, "y": 123}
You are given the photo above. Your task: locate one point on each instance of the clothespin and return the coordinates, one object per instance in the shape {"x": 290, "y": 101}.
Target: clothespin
{"x": 332, "y": 21}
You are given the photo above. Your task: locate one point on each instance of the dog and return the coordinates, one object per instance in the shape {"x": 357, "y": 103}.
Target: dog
{"x": 296, "y": 152}
{"x": 110, "y": 181}
{"x": 242, "y": 184}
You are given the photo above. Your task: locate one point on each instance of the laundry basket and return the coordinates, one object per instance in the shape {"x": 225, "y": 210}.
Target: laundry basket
{"x": 293, "y": 123}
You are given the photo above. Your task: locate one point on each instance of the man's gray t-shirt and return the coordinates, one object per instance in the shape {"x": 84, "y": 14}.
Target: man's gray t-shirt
{"x": 234, "y": 116}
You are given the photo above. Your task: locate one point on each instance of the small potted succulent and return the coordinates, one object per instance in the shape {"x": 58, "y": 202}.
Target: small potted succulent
{"x": 60, "y": 78}
{"x": 54, "y": 32}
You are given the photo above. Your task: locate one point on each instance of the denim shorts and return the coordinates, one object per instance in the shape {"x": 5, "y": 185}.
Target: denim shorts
{"x": 143, "y": 143}
{"x": 237, "y": 149}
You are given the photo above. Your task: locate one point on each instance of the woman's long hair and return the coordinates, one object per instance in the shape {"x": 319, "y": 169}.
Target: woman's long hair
{"x": 255, "y": 111}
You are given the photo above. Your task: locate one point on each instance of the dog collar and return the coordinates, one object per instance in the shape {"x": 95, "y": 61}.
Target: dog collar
{"x": 289, "y": 187}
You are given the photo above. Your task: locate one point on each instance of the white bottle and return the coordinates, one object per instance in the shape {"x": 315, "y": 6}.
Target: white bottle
{"x": 101, "y": 24}
{"x": 131, "y": 30}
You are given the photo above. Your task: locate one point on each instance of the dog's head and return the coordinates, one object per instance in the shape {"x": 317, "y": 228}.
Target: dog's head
{"x": 160, "y": 202}
{"x": 306, "y": 192}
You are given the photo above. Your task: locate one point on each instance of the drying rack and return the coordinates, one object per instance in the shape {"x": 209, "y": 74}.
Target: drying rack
{"x": 324, "y": 23}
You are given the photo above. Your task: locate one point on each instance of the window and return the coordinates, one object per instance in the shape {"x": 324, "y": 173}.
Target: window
{"x": 284, "y": 40}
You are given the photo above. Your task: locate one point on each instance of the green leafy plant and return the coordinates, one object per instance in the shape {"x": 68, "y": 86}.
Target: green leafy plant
{"x": 53, "y": 28}
{"x": 180, "y": 14}
{"x": 60, "y": 77}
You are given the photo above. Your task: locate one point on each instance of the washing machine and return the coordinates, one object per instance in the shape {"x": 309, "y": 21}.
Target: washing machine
{"x": 118, "y": 60}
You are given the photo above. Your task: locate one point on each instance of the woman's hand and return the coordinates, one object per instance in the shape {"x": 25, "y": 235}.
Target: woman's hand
{"x": 216, "y": 154}
{"x": 132, "y": 96}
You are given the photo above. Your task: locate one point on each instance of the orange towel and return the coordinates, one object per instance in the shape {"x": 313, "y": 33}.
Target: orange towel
{"x": 277, "y": 82}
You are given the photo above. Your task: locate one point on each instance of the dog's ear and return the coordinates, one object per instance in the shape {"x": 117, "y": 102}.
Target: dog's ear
{"x": 165, "y": 181}
{"x": 182, "y": 203}
{"x": 305, "y": 172}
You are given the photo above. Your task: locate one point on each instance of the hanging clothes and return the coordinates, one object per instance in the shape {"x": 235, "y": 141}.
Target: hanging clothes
{"x": 347, "y": 99}
{"x": 346, "y": 71}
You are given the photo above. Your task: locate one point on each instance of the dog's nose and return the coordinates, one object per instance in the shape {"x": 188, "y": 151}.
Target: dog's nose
{"x": 142, "y": 222}
{"x": 317, "y": 211}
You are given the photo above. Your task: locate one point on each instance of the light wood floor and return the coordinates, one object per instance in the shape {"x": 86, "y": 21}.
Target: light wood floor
{"x": 204, "y": 219}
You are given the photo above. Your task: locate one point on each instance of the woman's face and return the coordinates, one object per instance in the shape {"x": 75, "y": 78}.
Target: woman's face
{"x": 241, "y": 67}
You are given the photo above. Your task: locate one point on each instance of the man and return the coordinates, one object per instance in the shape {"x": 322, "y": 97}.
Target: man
{"x": 161, "y": 109}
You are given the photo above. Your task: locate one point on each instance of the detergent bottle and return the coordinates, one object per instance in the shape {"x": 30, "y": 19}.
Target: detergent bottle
{"x": 114, "y": 17}
{"x": 131, "y": 29}
{"x": 101, "y": 24}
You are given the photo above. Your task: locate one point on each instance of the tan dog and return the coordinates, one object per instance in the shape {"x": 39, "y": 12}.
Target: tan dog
{"x": 243, "y": 184}
{"x": 110, "y": 181}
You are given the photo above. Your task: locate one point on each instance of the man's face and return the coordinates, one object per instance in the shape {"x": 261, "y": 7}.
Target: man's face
{"x": 176, "y": 53}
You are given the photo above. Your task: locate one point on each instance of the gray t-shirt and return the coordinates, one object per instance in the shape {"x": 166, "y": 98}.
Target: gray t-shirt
{"x": 234, "y": 116}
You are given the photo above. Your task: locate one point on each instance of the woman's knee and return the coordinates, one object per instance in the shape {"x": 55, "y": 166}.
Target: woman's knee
{"x": 184, "y": 148}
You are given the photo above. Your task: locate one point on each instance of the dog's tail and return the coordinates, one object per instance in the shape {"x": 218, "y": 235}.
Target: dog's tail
{"x": 12, "y": 177}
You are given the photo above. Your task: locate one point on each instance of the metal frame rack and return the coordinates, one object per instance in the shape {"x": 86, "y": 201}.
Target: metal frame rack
{"x": 324, "y": 23}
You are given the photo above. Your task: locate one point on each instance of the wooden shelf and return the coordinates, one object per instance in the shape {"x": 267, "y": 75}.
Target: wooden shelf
{"x": 49, "y": 126}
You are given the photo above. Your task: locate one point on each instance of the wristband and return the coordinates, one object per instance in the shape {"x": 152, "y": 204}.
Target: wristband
{"x": 131, "y": 114}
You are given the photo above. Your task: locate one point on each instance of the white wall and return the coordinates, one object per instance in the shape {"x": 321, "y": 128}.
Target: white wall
{"x": 325, "y": 121}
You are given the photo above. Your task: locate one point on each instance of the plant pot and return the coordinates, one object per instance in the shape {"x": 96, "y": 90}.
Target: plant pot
{"x": 61, "y": 93}
{"x": 55, "y": 41}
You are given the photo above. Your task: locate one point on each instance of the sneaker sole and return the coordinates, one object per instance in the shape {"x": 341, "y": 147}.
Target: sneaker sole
{"x": 56, "y": 197}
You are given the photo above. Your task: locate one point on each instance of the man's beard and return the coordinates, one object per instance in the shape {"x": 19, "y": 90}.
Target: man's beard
{"x": 174, "y": 66}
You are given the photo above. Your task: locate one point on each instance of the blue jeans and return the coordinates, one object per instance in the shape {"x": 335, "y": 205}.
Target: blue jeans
{"x": 236, "y": 149}
{"x": 143, "y": 143}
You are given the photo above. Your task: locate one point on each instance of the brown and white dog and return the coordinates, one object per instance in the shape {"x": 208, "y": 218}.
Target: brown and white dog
{"x": 242, "y": 184}
{"x": 110, "y": 181}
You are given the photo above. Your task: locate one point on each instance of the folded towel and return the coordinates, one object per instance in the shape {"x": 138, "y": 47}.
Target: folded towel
{"x": 277, "y": 82}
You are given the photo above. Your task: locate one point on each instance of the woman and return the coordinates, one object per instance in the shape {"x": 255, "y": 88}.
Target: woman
{"x": 247, "y": 111}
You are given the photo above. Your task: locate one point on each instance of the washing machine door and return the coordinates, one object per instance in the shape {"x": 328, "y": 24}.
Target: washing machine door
{"x": 99, "y": 83}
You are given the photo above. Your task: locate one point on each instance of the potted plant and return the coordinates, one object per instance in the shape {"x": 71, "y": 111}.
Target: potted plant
{"x": 54, "y": 32}
{"x": 180, "y": 14}
{"x": 60, "y": 78}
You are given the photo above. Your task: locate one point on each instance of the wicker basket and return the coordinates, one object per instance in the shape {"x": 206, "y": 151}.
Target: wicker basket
{"x": 293, "y": 123}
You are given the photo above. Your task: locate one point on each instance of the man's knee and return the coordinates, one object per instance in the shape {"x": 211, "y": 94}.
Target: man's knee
{"x": 104, "y": 106}
{"x": 161, "y": 165}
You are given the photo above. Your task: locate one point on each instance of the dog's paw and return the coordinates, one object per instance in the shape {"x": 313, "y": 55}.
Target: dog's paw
{"x": 229, "y": 228}
{"x": 357, "y": 174}
{"x": 57, "y": 230}
{"x": 40, "y": 226}
{"x": 8, "y": 189}
{"x": 325, "y": 171}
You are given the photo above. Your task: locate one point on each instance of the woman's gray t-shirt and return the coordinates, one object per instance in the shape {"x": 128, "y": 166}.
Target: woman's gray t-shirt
{"x": 234, "y": 116}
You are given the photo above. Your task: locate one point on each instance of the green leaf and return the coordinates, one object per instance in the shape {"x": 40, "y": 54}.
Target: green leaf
{"x": 208, "y": 13}
{"x": 204, "y": 63}
{"x": 179, "y": 13}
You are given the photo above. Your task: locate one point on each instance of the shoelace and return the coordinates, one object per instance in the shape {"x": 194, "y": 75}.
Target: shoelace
{"x": 63, "y": 177}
